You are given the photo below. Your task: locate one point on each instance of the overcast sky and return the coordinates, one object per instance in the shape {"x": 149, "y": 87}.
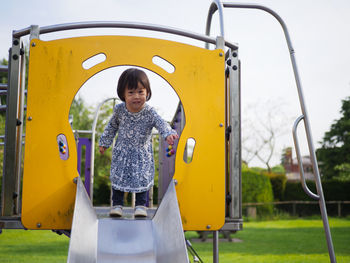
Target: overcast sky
{"x": 319, "y": 31}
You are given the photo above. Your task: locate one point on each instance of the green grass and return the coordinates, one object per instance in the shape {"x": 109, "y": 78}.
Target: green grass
{"x": 299, "y": 240}
{"x": 28, "y": 246}
{"x": 282, "y": 241}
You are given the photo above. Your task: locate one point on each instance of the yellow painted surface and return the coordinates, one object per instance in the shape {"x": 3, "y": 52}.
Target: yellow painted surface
{"x": 55, "y": 76}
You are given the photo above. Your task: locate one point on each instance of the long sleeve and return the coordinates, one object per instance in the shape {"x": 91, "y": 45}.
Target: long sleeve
{"x": 161, "y": 125}
{"x": 110, "y": 131}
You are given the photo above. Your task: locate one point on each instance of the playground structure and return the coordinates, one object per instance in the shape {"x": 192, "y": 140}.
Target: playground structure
{"x": 53, "y": 196}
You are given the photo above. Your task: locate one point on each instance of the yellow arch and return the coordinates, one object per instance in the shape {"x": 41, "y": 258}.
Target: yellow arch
{"x": 55, "y": 76}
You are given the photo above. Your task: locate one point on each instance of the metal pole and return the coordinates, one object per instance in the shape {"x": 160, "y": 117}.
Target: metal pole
{"x": 19, "y": 143}
{"x": 216, "y": 5}
{"x": 93, "y": 134}
{"x": 120, "y": 24}
{"x": 306, "y": 120}
{"x": 215, "y": 246}
{"x": 9, "y": 168}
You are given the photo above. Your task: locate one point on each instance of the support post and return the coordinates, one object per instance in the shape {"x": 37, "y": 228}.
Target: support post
{"x": 215, "y": 246}
{"x": 9, "y": 193}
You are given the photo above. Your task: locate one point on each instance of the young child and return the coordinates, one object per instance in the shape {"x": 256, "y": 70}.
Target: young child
{"x": 132, "y": 168}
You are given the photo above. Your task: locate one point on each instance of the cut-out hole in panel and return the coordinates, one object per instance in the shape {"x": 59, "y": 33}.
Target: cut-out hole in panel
{"x": 94, "y": 60}
{"x": 189, "y": 150}
{"x": 164, "y": 64}
{"x": 164, "y": 99}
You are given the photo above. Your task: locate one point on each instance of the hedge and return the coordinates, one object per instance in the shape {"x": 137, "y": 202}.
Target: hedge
{"x": 256, "y": 187}
{"x": 278, "y": 182}
{"x": 333, "y": 191}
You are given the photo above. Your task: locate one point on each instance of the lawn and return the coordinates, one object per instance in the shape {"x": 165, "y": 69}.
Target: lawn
{"x": 299, "y": 240}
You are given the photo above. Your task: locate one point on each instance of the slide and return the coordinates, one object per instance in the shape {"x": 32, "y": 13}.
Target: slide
{"x": 94, "y": 239}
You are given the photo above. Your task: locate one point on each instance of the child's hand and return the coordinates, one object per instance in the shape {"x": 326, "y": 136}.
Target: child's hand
{"x": 171, "y": 138}
{"x": 102, "y": 149}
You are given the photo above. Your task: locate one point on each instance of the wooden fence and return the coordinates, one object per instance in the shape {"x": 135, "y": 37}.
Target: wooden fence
{"x": 294, "y": 204}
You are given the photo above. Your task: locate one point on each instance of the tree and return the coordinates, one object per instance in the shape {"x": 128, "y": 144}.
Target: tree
{"x": 263, "y": 124}
{"x": 333, "y": 156}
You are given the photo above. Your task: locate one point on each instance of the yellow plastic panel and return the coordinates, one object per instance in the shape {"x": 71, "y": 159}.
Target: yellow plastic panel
{"x": 55, "y": 76}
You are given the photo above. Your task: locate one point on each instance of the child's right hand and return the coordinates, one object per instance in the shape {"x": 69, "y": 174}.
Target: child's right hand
{"x": 102, "y": 149}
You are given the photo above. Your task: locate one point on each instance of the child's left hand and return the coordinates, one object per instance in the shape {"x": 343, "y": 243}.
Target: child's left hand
{"x": 171, "y": 138}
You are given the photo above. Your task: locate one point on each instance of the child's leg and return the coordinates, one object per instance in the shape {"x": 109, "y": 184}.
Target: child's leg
{"x": 141, "y": 199}
{"x": 117, "y": 197}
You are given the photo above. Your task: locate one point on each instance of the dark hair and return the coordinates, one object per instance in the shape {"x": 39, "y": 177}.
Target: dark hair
{"x": 129, "y": 79}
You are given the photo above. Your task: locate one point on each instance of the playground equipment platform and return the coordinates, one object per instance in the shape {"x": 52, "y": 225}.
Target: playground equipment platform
{"x": 157, "y": 238}
{"x": 50, "y": 196}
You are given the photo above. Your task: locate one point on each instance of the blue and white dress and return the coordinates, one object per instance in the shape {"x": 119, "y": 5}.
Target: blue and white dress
{"x": 132, "y": 167}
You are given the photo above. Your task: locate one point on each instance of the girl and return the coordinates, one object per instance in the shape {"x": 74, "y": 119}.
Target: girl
{"x": 132, "y": 168}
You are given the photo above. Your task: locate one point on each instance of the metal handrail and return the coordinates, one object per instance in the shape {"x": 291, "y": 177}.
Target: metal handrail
{"x": 119, "y": 24}
{"x": 93, "y": 135}
{"x": 216, "y": 5}
{"x": 304, "y": 116}
{"x": 301, "y": 167}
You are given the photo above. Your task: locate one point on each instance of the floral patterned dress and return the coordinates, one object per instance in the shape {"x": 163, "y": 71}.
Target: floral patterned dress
{"x": 132, "y": 167}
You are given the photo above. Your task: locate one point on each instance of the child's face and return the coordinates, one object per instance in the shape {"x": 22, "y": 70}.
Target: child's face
{"x": 135, "y": 98}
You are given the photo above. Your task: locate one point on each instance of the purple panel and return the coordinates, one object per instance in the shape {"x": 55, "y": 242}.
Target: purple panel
{"x": 87, "y": 143}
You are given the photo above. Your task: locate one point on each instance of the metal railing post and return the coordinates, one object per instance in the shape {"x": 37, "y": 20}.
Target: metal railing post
{"x": 9, "y": 194}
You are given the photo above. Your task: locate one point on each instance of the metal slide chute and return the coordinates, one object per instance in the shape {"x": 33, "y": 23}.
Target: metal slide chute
{"x": 94, "y": 239}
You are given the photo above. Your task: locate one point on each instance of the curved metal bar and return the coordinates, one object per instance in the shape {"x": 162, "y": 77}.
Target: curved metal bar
{"x": 295, "y": 70}
{"x": 120, "y": 24}
{"x": 216, "y": 5}
{"x": 301, "y": 168}
{"x": 93, "y": 134}
{"x": 313, "y": 159}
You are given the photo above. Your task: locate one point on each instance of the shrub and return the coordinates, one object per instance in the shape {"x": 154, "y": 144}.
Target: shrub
{"x": 333, "y": 191}
{"x": 256, "y": 187}
{"x": 278, "y": 182}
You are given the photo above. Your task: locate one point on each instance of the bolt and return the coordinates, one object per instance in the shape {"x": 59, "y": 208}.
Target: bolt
{"x": 220, "y": 54}
{"x": 38, "y": 225}
{"x": 15, "y": 56}
{"x": 175, "y": 181}
{"x": 221, "y": 125}
{"x": 15, "y": 42}
{"x": 228, "y": 62}
{"x": 30, "y": 118}
{"x": 75, "y": 180}
{"x": 234, "y": 54}
{"x": 208, "y": 226}
{"x": 33, "y": 44}
{"x": 234, "y": 67}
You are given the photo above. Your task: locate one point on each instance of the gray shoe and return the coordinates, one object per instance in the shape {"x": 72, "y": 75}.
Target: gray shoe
{"x": 140, "y": 211}
{"x": 116, "y": 211}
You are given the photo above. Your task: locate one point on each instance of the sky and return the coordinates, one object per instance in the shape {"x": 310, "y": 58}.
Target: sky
{"x": 319, "y": 32}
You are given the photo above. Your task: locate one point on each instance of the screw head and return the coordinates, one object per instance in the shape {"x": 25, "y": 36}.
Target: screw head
{"x": 220, "y": 54}
{"x": 29, "y": 118}
{"x": 208, "y": 226}
{"x": 33, "y": 44}
{"x": 221, "y": 125}
{"x": 38, "y": 225}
